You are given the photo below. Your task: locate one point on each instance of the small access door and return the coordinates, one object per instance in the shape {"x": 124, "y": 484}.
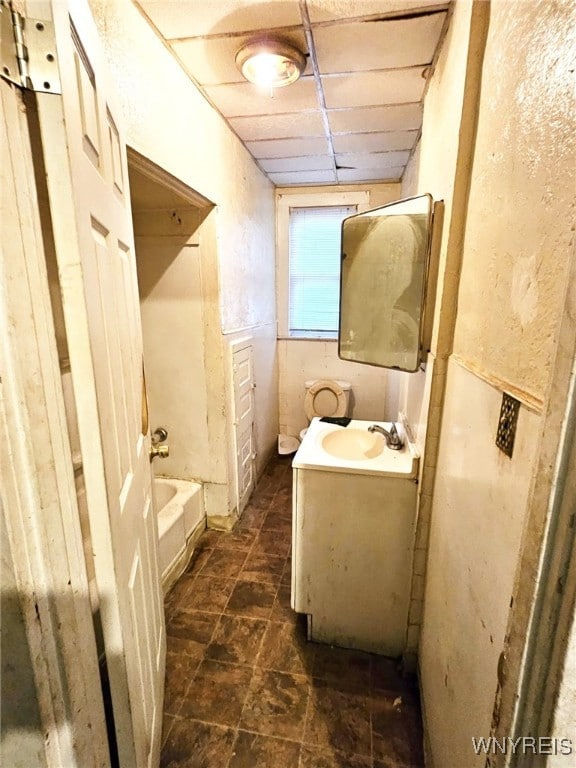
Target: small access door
{"x": 243, "y": 383}
{"x": 83, "y": 151}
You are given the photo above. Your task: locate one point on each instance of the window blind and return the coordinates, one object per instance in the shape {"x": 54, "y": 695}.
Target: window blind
{"x": 314, "y": 268}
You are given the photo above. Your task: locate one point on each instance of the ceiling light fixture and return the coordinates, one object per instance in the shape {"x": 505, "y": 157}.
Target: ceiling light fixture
{"x": 270, "y": 63}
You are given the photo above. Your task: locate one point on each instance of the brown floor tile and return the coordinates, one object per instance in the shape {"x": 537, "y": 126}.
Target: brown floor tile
{"x": 248, "y": 668}
{"x": 167, "y": 723}
{"x": 276, "y": 704}
{"x": 252, "y": 598}
{"x": 396, "y": 732}
{"x": 287, "y": 573}
{"x": 337, "y": 719}
{"x": 209, "y": 539}
{"x": 251, "y": 520}
{"x": 286, "y": 650}
{"x": 278, "y": 520}
{"x": 284, "y": 493}
{"x": 281, "y": 610}
{"x": 192, "y": 630}
{"x": 262, "y": 567}
{"x": 273, "y": 543}
{"x": 241, "y": 538}
{"x": 199, "y": 557}
{"x": 312, "y": 757}
{"x": 217, "y": 693}
{"x": 260, "y": 501}
{"x": 191, "y": 744}
{"x": 237, "y": 640}
{"x": 254, "y": 751}
{"x": 179, "y": 593}
{"x": 224, "y": 563}
{"x": 209, "y": 593}
{"x": 385, "y": 674}
{"x": 343, "y": 668}
{"x": 180, "y": 669}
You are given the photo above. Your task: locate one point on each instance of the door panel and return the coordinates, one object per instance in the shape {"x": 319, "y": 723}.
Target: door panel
{"x": 85, "y": 158}
{"x": 243, "y": 375}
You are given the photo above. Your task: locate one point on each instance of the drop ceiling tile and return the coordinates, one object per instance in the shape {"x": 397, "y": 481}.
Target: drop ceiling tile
{"x": 246, "y": 99}
{"x": 302, "y": 177}
{"x": 330, "y": 10}
{"x": 205, "y": 17}
{"x": 372, "y": 159}
{"x": 363, "y": 89}
{"x": 288, "y": 147}
{"x": 346, "y": 175}
{"x": 212, "y": 61}
{"x": 306, "y": 163}
{"x": 388, "y": 118}
{"x": 374, "y": 142}
{"x": 377, "y": 45}
{"x": 278, "y": 126}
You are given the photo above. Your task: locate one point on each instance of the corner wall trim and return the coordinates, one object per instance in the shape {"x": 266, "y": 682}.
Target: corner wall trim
{"x": 530, "y": 401}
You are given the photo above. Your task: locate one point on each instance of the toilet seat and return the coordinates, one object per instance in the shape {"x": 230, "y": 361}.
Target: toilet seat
{"x": 321, "y": 386}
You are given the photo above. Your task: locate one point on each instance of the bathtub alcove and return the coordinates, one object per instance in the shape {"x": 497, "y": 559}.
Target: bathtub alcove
{"x": 167, "y": 217}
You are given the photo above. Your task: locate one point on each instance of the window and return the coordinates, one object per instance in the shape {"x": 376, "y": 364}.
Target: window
{"x": 314, "y": 269}
{"x": 287, "y": 203}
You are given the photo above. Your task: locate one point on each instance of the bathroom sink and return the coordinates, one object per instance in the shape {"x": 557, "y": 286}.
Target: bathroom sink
{"x": 354, "y": 450}
{"x": 353, "y": 444}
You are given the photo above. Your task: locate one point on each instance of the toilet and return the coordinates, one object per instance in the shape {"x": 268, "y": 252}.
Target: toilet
{"x": 326, "y": 397}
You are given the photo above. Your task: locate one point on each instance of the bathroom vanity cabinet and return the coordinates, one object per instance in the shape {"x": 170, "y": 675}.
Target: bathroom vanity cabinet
{"x": 352, "y": 550}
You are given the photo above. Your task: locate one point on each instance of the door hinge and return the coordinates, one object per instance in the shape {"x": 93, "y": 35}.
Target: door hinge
{"x": 28, "y": 51}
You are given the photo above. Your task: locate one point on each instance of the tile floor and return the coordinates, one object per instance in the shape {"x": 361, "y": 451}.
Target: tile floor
{"x": 243, "y": 687}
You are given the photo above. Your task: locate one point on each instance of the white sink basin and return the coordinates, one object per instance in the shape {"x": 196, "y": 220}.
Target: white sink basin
{"x": 354, "y": 450}
{"x": 353, "y": 444}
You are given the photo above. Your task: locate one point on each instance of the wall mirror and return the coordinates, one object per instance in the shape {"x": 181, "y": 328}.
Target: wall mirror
{"x": 384, "y": 263}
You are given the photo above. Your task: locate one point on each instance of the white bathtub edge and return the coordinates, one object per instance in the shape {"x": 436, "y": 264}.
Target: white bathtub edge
{"x": 178, "y": 565}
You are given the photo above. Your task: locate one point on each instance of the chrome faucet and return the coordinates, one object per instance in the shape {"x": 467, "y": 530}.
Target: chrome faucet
{"x": 393, "y": 439}
{"x": 159, "y": 435}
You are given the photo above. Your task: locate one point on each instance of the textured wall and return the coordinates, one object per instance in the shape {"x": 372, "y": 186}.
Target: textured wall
{"x": 301, "y": 359}
{"x": 169, "y": 122}
{"x": 521, "y": 211}
{"x": 516, "y": 230}
{"x": 172, "y": 328}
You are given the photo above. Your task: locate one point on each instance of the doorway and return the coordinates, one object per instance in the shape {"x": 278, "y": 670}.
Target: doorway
{"x": 167, "y": 220}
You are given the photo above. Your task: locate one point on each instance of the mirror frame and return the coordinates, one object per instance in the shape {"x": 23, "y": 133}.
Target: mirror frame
{"x": 425, "y": 288}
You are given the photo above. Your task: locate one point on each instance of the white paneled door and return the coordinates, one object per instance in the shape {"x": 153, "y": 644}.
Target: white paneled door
{"x": 84, "y": 154}
{"x": 243, "y": 383}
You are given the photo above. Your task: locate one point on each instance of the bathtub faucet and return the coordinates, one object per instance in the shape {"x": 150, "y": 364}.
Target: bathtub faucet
{"x": 393, "y": 439}
{"x": 159, "y": 435}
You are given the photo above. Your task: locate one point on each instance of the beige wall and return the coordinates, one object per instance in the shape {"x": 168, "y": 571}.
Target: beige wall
{"x": 564, "y": 726}
{"x": 300, "y": 360}
{"x": 433, "y": 169}
{"x": 169, "y": 280}
{"x": 374, "y": 391}
{"x": 512, "y": 234}
{"x": 521, "y": 208}
{"x": 169, "y": 122}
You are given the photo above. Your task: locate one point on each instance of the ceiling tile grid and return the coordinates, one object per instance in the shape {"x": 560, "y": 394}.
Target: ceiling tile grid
{"x": 355, "y": 114}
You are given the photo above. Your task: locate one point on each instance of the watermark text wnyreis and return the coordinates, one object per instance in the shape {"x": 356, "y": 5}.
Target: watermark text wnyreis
{"x": 523, "y": 745}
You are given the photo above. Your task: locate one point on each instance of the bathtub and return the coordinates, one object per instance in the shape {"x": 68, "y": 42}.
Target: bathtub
{"x": 181, "y": 520}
